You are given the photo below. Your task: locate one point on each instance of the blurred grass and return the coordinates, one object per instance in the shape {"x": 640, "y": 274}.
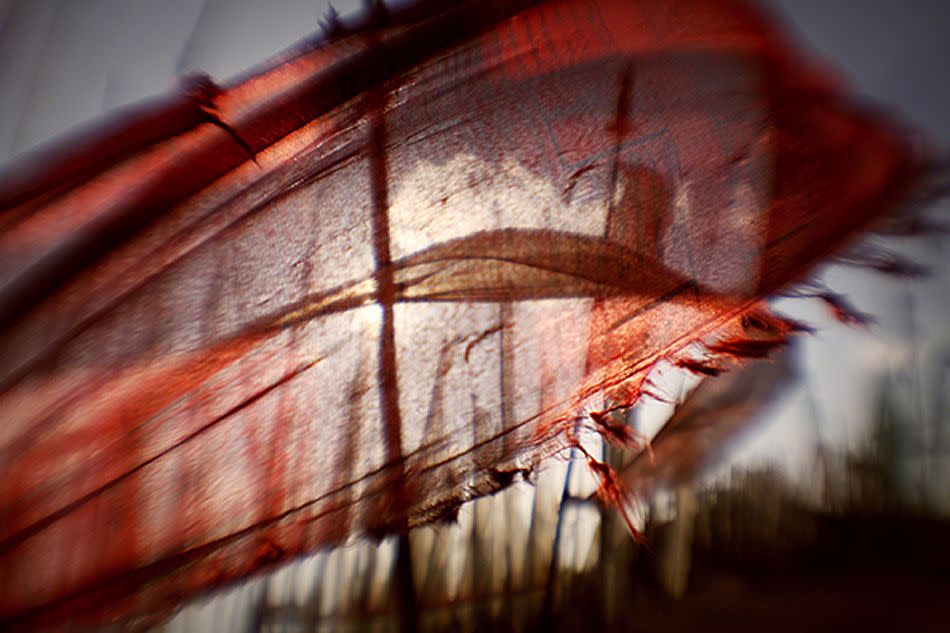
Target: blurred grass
{"x": 750, "y": 551}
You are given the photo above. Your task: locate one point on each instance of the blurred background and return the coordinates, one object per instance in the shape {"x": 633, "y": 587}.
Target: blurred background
{"x": 828, "y": 513}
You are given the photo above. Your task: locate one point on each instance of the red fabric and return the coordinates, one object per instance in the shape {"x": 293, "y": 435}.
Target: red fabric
{"x": 212, "y": 364}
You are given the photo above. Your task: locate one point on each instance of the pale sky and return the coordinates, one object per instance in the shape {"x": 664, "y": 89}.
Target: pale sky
{"x": 63, "y": 62}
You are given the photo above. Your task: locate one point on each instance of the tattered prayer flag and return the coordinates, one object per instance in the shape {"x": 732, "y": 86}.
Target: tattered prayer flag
{"x": 390, "y": 270}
